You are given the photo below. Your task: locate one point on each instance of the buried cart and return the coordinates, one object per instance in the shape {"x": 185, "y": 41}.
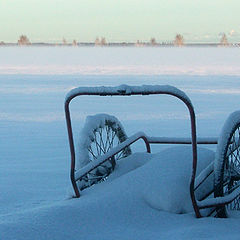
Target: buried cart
{"x": 105, "y": 142}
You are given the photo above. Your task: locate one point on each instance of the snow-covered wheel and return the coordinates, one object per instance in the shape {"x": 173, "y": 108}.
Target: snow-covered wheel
{"x": 100, "y": 134}
{"x": 227, "y": 164}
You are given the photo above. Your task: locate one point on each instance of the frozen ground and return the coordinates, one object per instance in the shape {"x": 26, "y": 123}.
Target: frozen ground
{"x": 120, "y": 61}
{"x": 34, "y": 170}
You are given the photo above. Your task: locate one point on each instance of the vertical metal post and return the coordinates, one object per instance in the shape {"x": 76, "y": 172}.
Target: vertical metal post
{"x": 72, "y": 150}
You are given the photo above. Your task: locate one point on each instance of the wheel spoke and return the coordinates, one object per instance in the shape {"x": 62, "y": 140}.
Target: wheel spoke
{"x": 107, "y": 142}
{"x": 111, "y": 143}
{"x": 102, "y": 139}
{"x": 98, "y": 146}
{"x": 91, "y": 151}
{"x": 102, "y": 142}
{"x": 120, "y": 155}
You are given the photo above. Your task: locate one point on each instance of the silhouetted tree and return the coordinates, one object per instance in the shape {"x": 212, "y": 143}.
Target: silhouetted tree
{"x": 224, "y": 41}
{"x": 153, "y": 41}
{"x": 100, "y": 42}
{"x": 64, "y": 41}
{"x": 97, "y": 41}
{"x": 139, "y": 44}
{"x": 103, "y": 41}
{"x": 23, "y": 40}
{"x": 179, "y": 41}
{"x": 74, "y": 43}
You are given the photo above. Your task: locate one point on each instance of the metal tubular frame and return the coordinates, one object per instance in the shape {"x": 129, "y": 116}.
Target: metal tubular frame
{"x": 156, "y": 140}
{"x": 124, "y": 93}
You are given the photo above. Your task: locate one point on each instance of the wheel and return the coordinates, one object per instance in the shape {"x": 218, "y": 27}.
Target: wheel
{"x": 100, "y": 133}
{"x": 227, "y": 165}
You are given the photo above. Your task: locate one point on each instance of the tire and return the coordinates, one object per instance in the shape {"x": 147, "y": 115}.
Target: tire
{"x": 100, "y": 134}
{"x": 227, "y": 164}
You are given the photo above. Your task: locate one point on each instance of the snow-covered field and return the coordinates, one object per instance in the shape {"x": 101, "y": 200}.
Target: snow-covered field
{"x": 35, "y": 194}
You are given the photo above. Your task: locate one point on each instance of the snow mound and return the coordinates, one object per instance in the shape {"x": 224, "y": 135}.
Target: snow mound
{"x": 130, "y": 163}
{"x": 165, "y": 179}
{"x": 119, "y": 207}
{"x": 160, "y": 180}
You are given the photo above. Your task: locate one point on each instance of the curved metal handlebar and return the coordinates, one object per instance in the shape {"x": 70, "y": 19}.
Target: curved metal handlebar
{"x": 125, "y": 90}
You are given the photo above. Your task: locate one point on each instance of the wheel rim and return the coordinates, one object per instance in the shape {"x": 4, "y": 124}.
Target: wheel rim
{"x": 103, "y": 138}
{"x": 232, "y": 169}
{"x": 106, "y": 137}
{"x": 230, "y": 173}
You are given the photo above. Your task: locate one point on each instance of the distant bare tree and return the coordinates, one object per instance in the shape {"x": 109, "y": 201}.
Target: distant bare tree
{"x": 179, "y": 41}
{"x": 100, "y": 42}
{"x": 97, "y": 41}
{"x": 2, "y": 43}
{"x": 64, "y": 41}
{"x": 153, "y": 41}
{"x": 224, "y": 41}
{"x": 103, "y": 41}
{"x": 74, "y": 43}
{"x": 139, "y": 44}
{"x": 23, "y": 40}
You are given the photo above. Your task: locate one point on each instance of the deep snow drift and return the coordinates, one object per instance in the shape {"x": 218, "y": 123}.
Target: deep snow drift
{"x": 139, "y": 204}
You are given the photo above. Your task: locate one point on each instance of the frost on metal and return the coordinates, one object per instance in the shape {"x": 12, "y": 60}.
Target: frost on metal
{"x": 229, "y": 126}
{"x": 88, "y": 135}
{"x": 211, "y": 202}
{"x": 127, "y": 90}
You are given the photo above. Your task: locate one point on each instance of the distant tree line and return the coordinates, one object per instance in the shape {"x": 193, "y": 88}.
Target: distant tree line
{"x": 178, "y": 41}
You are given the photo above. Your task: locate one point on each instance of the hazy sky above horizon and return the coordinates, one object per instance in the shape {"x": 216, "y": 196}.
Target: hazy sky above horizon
{"x": 119, "y": 20}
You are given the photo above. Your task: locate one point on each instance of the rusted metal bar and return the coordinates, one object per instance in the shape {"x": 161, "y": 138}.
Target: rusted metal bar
{"x": 71, "y": 145}
{"x": 168, "y": 140}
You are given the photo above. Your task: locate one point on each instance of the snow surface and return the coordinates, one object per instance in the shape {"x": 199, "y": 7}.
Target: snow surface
{"x": 120, "y": 61}
{"x": 155, "y": 185}
{"x": 34, "y": 151}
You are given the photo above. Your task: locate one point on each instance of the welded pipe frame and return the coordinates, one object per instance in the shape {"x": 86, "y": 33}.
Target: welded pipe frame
{"x": 113, "y": 91}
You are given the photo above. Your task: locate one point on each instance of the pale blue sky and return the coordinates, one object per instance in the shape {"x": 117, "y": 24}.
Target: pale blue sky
{"x": 119, "y": 20}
